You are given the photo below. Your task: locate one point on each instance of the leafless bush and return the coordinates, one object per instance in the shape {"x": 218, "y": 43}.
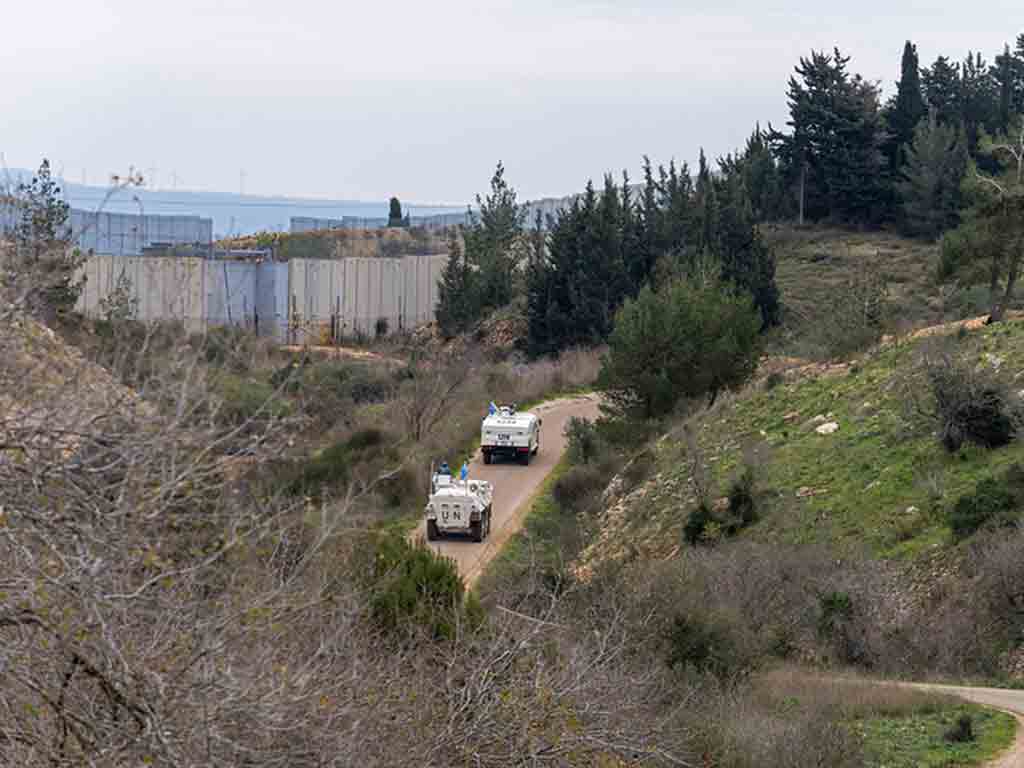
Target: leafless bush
{"x": 966, "y": 401}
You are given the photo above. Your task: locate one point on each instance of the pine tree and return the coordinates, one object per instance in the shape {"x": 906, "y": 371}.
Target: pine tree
{"x": 493, "y": 241}
{"x": 690, "y": 339}
{"x": 706, "y": 225}
{"x": 1005, "y": 78}
{"x": 943, "y": 91}
{"x": 395, "y": 213}
{"x": 991, "y": 238}
{"x": 907, "y": 109}
{"x": 930, "y": 186}
{"x": 458, "y": 301}
{"x": 980, "y": 100}
{"x": 43, "y": 224}
{"x": 747, "y": 263}
{"x": 836, "y": 141}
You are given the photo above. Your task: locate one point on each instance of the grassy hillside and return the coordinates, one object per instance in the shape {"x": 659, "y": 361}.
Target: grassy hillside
{"x": 814, "y": 267}
{"x": 882, "y": 481}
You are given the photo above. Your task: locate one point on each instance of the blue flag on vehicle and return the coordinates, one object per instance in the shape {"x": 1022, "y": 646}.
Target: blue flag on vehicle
{"x": 492, "y": 409}
{"x": 464, "y": 473}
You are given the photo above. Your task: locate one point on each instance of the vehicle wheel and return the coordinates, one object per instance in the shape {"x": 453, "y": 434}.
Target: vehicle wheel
{"x": 476, "y": 530}
{"x": 487, "y": 457}
{"x": 432, "y": 533}
{"x": 524, "y": 459}
{"x": 488, "y": 534}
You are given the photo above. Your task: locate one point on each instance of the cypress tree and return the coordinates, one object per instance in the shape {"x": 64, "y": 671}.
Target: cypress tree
{"x": 908, "y": 109}
{"x": 395, "y": 213}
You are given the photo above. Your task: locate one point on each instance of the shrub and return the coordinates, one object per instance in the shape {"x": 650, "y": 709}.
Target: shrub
{"x": 993, "y": 501}
{"x": 706, "y": 645}
{"x": 584, "y": 442}
{"x": 689, "y": 340}
{"x": 415, "y": 586}
{"x": 834, "y": 608}
{"x": 775, "y": 378}
{"x": 971, "y": 404}
{"x": 743, "y": 500}
{"x": 962, "y": 732}
{"x": 226, "y": 347}
{"x": 332, "y": 467}
{"x": 638, "y": 469}
{"x": 573, "y": 490}
{"x": 247, "y": 401}
{"x": 696, "y": 522}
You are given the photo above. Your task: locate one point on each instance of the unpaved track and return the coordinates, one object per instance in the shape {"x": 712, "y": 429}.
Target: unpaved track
{"x": 997, "y": 698}
{"x": 514, "y": 486}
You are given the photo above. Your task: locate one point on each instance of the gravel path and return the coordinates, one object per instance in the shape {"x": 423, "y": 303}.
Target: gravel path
{"x": 514, "y": 487}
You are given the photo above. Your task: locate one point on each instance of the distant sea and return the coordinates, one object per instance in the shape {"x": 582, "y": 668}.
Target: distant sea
{"x": 232, "y": 213}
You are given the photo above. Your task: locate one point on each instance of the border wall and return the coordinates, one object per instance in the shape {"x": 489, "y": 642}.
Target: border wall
{"x": 295, "y": 302}
{"x": 300, "y": 224}
{"x": 124, "y": 234}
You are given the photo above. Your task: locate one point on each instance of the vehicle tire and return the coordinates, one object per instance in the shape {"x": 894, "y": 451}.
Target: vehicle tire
{"x": 487, "y": 457}
{"x": 487, "y": 533}
{"x": 524, "y": 459}
{"x": 476, "y": 530}
{"x": 432, "y": 533}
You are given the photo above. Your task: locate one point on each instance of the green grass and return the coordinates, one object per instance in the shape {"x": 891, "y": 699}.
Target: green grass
{"x": 916, "y": 740}
{"x": 879, "y": 465}
{"x": 538, "y": 536}
{"x": 813, "y": 264}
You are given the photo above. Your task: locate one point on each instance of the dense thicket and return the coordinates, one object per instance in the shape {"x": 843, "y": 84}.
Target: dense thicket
{"x": 607, "y": 246}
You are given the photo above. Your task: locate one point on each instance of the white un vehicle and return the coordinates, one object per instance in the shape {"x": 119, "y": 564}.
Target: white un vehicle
{"x": 458, "y": 505}
{"x": 508, "y": 432}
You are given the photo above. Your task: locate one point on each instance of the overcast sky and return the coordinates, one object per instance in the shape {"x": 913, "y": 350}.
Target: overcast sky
{"x": 421, "y": 99}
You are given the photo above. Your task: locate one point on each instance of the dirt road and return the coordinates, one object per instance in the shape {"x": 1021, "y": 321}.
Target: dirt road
{"x": 997, "y": 698}
{"x": 514, "y": 487}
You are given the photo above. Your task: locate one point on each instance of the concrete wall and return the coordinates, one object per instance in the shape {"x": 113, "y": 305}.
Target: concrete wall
{"x": 300, "y": 301}
{"x": 162, "y": 288}
{"x": 298, "y": 224}
{"x": 124, "y": 234}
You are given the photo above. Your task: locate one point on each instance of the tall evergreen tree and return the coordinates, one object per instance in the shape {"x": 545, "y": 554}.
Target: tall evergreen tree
{"x": 980, "y": 100}
{"x": 458, "y": 302}
{"x": 837, "y": 138}
{"x": 761, "y": 175}
{"x": 706, "y": 213}
{"x": 746, "y": 260}
{"x": 930, "y": 186}
{"x": 907, "y": 109}
{"x": 395, "y": 213}
{"x": 1005, "y": 76}
{"x": 943, "y": 91}
{"x": 493, "y": 241}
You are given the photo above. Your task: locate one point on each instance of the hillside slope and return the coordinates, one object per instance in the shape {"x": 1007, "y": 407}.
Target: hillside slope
{"x": 881, "y": 481}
